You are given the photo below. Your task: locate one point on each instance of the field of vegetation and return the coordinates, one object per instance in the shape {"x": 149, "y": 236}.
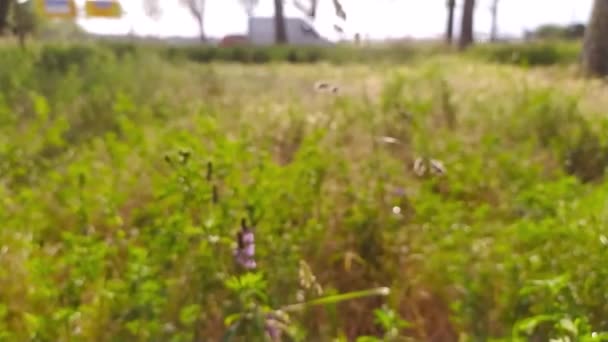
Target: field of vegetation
{"x": 147, "y": 198}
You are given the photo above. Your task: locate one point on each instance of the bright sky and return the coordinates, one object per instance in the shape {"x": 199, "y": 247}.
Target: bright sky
{"x": 376, "y": 19}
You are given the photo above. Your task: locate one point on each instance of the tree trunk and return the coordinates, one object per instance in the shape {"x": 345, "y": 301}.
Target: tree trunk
{"x": 310, "y": 11}
{"x": 449, "y": 32}
{"x": 21, "y": 37}
{"x": 340, "y": 13}
{"x": 595, "y": 50}
{"x": 201, "y": 29}
{"x": 466, "y": 27}
{"x": 280, "y": 34}
{"x": 197, "y": 9}
{"x": 5, "y": 6}
{"x": 313, "y": 8}
{"x": 494, "y": 13}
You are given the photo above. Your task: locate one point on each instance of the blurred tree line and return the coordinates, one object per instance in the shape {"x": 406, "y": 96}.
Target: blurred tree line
{"x": 594, "y": 55}
{"x": 197, "y": 10}
{"x": 557, "y": 32}
{"x": 20, "y": 18}
{"x": 17, "y": 17}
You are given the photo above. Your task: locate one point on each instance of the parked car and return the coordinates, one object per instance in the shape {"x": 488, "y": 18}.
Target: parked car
{"x": 234, "y": 40}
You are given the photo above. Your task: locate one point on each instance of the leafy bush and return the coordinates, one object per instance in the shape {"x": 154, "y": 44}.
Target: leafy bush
{"x": 533, "y": 54}
{"x": 293, "y": 54}
{"x": 559, "y": 32}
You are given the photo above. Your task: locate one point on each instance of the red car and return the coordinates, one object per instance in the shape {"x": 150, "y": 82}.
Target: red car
{"x": 234, "y": 40}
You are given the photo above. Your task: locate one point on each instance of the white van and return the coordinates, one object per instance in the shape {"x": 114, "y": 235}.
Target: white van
{"x": 299, "y": 32}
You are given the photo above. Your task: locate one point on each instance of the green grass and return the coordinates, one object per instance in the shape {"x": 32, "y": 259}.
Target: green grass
{"x": 124, "y": 180}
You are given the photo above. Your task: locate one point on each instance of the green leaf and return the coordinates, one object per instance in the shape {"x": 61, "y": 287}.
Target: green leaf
{"x": 553, "y": 285}
{"x": 230, "y": 319}
{"x": 3, "y": 311}
{"x": 41, "y": 107}
{"x": 381, "y": 291}
{"x": 231, "y": 332}
{"x": 529, "y": 324}
{"x": 248, "y": 281}
{"x": 189, "y": 314}
{"x": 368, "y": 339}
{"x": 389, "y": 319}
{"x": 568, "y": 325}
{"x": 62, "y": 314}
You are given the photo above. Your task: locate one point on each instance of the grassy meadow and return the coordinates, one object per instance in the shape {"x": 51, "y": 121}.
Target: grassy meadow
{"x": 474, "y": 191}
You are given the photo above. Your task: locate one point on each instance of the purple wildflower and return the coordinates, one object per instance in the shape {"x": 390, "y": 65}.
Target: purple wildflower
{"x": 249, "y": 250}
{"x": 272, "y": 327}
{"x": 247, "y": 236}
{"x": 245, "y": 251}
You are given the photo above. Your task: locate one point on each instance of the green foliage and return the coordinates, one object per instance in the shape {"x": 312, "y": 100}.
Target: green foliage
{"x": 24, "y": 17}
{"x": 529, "y": 53}
{"x": 339, "y": 54}
{"x": 557, "y": 324}
{"x": 558, "y": 32}
{"x": 293, "y": 54}
{"x": 125, "y": 178}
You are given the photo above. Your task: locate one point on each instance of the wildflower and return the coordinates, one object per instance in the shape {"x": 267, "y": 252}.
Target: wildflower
{"x": 244, "y": 254}
{"x": 169, "y": 327}
{"x": 388, "y": 140}
{"x": 275, "y": 323}
{"x": 398, "y": 191}
{"x": 308, "y": 280}
{"x": 272, "y": 328}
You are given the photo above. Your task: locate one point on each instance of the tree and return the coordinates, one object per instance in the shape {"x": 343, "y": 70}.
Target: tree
{"x": 197, "y": 9}
{"x": 5, "y": 8}
{"x": 249, "y": 6}
{"x": 19, "y": 16}
{"x": 466, "y": 27}
{"x": 449, "y": 32}
{"x": 24, "y": 20}
{"x": 494, "y": 13}
{"x": 595, "y": 49}
{"x": 340, "y": 13}
{"x": 280, "y": 32}
{"x": 152, "y": 9}
{"x": 311, "y": 11}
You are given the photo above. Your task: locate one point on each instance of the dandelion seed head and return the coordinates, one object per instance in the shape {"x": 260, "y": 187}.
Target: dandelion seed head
{"x": 384, "y": 291}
